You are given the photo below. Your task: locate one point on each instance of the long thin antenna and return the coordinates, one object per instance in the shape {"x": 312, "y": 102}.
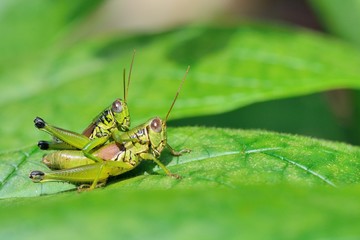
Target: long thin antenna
{"x": 177, "y": 93}
{"x": 124, "y": 85}
{"x": 129, "y": 77}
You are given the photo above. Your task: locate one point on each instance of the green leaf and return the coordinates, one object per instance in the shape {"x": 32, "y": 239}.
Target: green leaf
{"x": 224, "y": 158}
{"x": 232, "y": 181}
{"x": 250, "y": 212}
{"x": 261, "y": 212}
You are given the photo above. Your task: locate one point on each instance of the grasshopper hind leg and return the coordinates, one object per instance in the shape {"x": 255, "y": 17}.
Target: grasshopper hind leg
{"x": 91, "y": 173}
{"x": 54, "y": 145}
{"x": 39, "y": 176}
{"x": 61, "y": 137}
{"x": 88, "y": 176}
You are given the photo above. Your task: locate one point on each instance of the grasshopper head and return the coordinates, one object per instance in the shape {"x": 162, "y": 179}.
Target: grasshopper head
{"x": 121, "y": 114}
{"x": 157, "y": 134}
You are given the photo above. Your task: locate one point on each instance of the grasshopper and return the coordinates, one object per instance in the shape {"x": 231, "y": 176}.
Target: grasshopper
{"x": 115, "y": 118}
{"x": 144, "y": 142}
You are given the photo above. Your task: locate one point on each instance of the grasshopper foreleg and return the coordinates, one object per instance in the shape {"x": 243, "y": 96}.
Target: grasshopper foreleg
{"x": 89, "y": 176}
{"x": 177, "y": 153}
{"x": 149, "y": 156}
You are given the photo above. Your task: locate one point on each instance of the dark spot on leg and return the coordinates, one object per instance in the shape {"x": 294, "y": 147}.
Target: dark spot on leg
{"x": 43, "y": 145}
{"x": 37, "y": 176}
{"x": 39, "y": 122}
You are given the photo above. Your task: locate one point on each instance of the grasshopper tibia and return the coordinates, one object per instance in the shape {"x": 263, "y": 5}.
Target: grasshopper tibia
{"x": 54, "y": 145}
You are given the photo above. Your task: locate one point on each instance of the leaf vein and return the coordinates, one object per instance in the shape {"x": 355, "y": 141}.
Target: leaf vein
{"x": 17, "y": 166}
{"x": 318, "y": 175}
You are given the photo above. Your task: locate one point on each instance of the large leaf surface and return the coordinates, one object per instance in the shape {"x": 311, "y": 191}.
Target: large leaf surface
{"x": 220, "y": 158}
{"x": 235, "y": 183}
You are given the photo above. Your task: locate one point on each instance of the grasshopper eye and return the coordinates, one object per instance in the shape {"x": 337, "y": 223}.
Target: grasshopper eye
{"x": 117, "y": 106}
{"x": 156, "y": 125}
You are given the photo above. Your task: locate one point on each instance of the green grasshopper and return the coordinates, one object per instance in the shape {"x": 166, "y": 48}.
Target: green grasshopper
{"x": 144, "y": 142}
{"x": 115, "y": 118}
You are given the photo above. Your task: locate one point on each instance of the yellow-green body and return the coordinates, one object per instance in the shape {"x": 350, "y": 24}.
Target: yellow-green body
{"x": 144, "y": 142}
{"x": 124, "y": 152}
{"x": 114, "y": 118}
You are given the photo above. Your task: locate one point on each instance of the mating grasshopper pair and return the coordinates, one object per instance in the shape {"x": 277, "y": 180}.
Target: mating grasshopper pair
{"x": 106, "y": 148}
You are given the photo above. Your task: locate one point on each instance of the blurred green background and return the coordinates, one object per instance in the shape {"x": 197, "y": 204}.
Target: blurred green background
{"x": 258, "y": 54}
{"x": 278, "y": 65}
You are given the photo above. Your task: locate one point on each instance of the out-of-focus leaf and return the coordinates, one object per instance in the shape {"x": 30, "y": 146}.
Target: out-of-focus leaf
{"x": 250, "y": 212}
{"x": 239, "y": 66}
{"x": 308, "y": 115}
{"x": 340, "y": 17}
{"x": 30, "y": 29}
{"x": 222, "y": 158}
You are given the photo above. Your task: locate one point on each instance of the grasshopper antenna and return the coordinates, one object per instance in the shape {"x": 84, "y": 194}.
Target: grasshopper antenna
{"x": 177, "y": 93}
{"x": 124, "y": 85}
{"x": 129, "y": 77}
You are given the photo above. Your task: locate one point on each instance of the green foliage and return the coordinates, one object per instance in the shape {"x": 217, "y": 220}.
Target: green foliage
{"x": 233, "y": 180}
{"x": 340, "y": 18}
{"x": 257, "y": 63}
